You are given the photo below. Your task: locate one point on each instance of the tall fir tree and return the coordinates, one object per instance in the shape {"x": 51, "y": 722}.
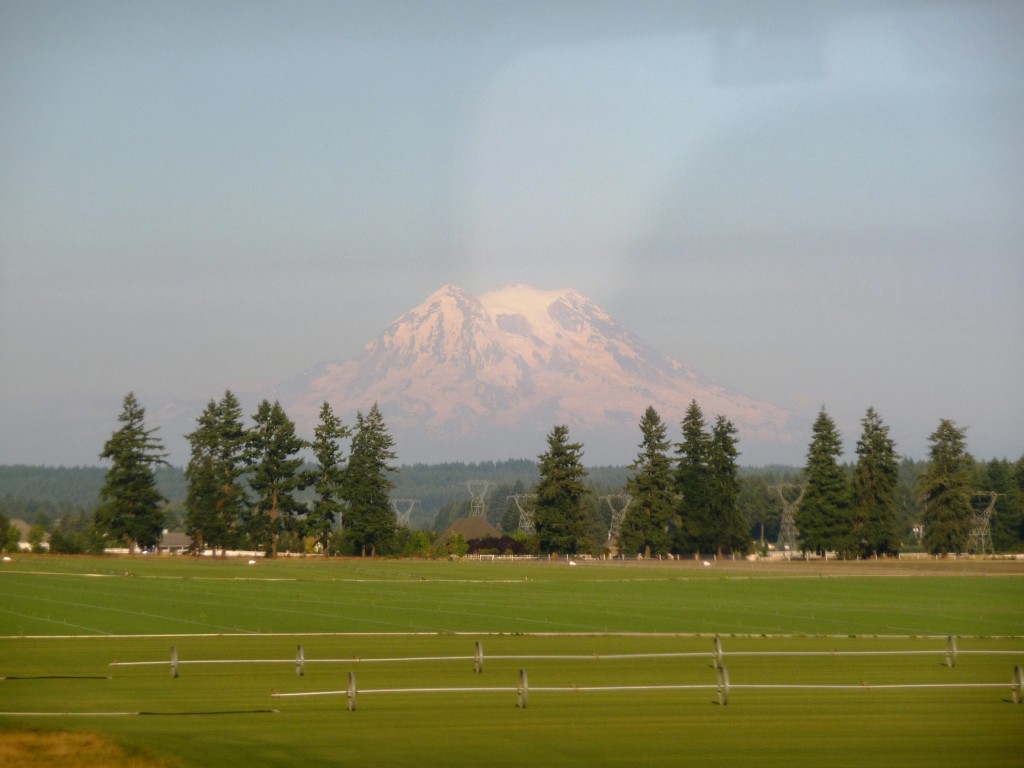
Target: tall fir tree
{"x": 370, "y": 521}
{"x": 945, "y": 489}
{"x": 729, "y": 529}
{"x": 875, "y": 485}
{"x": 131, "y": 508}
{"x": 560, "y": 516}
{"x": 823, "y": 517}
{"x": 202, "y": 523}
{"x": 647, "y": 524}
{"x": 272, "y": 453}
{"x": 327, "y": 479}
{"x": 216, "y": 498}
{"x": 693, "y": 483}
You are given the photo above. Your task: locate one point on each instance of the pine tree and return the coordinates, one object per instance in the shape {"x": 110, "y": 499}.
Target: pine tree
{"x": 202, "y": 523}
{"x": 945, "y": 488}
{"x": 648, "y": 519}
{"x": 216, "y": 499}
{"x": 876, "y": 477}
{"x": 272, "y": 453}
{"x": 693, "y": 483}
{"x": 823, "y": 515}
{"x": 370, "y": 523}
{"x": 328, "y": 477}
{"x": 131, "y": 507}
{"x": 729, "y": 527}
{"x": 560, "y": 517}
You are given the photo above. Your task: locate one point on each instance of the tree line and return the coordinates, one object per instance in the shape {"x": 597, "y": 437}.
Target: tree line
{"x": 242, "y": 482}
{"x": 856, "y": 511}
{"x": 691, "y": 497}
{"x": 259, "y": 486}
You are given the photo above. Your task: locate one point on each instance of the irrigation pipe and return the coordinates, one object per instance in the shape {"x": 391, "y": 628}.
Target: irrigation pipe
{"x": 723, "y": 688}
{"x": 141, "y": 713}
{"x": 717, "y": 656}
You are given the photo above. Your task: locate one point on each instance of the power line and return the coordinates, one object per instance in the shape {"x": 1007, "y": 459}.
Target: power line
{"x": 524, "y": 503}
{"x": 405, "y": 513}
{"x": 618, "y": 503}
{"x": 478, "y": 496}
{"x": 789, "y": 536}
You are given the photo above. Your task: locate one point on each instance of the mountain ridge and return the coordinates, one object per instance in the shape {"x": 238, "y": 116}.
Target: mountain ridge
{"x": 458, "y": 375}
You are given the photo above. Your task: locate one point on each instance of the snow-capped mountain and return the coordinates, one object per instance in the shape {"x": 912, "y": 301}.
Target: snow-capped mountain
{"x": 467, "y": 378}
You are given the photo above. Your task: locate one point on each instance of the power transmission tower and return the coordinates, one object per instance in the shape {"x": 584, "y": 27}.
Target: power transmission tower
{"x": 524, "y": 503}
{"x": 477, "y": 495}
{"x": 789, "y": 536}
{"x": 405, "y": 513}
{"x": 618, "y": 503}
{"x": 980, "y": 539}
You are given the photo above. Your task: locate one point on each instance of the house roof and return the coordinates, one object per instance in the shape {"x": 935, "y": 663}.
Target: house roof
{"x": 172, "y": 540}
{"x": 24, "y": 528}
{"x": 473, "y": 527}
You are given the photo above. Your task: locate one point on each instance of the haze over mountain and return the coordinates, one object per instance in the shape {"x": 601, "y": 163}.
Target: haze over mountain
{"x": 464, "y": 378}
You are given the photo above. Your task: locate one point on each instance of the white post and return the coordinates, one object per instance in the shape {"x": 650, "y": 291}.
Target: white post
{"x": 716, "y": 655}
{"x": 300, "y": 661}
{"x": 351, "y": 691}
{"x": 174, "y": 661}
{"x": 523, "y": 690}
{"x": 723, "y": 686}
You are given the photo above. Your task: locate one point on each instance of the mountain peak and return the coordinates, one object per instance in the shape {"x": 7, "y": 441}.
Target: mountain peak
{"x": 461, "y": 374}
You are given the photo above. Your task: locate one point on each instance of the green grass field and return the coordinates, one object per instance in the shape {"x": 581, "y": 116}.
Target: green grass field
{"x": 63, "y": 621}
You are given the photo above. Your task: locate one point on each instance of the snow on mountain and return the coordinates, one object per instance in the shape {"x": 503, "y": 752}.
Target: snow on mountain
{"x": 467, "y": 378}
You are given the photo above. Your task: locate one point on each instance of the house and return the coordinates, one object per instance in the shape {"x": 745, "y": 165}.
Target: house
{"x": 472, "y": 527}
{"x": 172, "y": 543}
{"x": 24, "y": 529}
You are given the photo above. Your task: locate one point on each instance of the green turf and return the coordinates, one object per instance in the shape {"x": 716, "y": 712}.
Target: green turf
{"x": 96, "y": 596}
{"x": 216, "y": 714}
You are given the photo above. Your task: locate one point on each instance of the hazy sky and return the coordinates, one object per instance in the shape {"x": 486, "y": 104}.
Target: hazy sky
{"x": 812, "y": 203}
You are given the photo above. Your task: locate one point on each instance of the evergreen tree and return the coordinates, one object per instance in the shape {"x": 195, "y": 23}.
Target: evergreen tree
{"x": 328, "y": 477}
{"x": 560, "y": 517}
{"x": 216, "y": 498}
{"x": 945, "y": 488}
{"x": 693, "y": 483}
{"x": 231, "y": 447}
{"x": 370, "y": 522}
{"x": 908, "y": 509}
{"x": 272, "y": 454}
{"x": 875, "y": 486}
{"x": 729, "y": 527}
{"x": 648, "y": 519}
{"x": 823, "y": 515}
{"x": 131, "y": 507}
{"x": 202, "y": 523}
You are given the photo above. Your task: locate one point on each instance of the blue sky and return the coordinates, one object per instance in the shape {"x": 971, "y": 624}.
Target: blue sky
{"x": 810, "y": 203}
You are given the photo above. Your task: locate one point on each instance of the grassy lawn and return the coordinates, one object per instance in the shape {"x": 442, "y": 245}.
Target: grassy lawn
{"x": 63, "y": 621}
